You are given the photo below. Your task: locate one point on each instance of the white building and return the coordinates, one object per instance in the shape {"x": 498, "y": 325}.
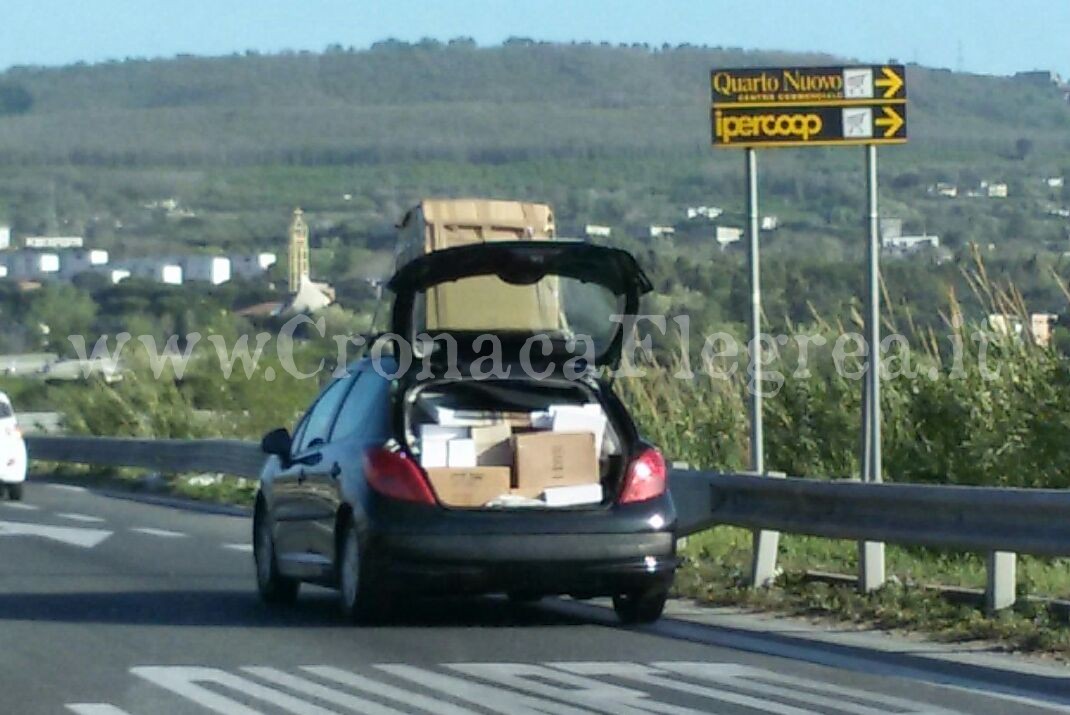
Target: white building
{"x": 5, "y": 238}
{"x": 251, "y": 266}
{"x": 205, "y": 268}
{"x": 117, "y": 275}
{"x": 770, "y": 223}
{"x": 661, "y": 231}
{"x": 1054, "y": 182}
{"x": 159, "y": 270}
{"x": 53, "y": 242}
{"x": 909, "y": 244}
{"x": 725, "y": 235}
{"x": 31, "y": 265}
{"x": 707, "y": 212}
{"x": 71, "y": 263}
{"x": 594, "y": 230}
{"x": 994, "y": 189}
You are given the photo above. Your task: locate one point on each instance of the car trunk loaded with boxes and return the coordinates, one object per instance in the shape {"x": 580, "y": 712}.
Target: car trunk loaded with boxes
{"x": 481, "y": 291}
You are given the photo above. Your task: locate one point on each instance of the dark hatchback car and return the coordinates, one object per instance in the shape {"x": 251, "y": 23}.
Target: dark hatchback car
{"x": 347, "y": 501}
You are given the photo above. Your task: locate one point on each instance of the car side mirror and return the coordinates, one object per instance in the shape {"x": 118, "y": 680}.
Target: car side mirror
{"x": 279, "y": 443}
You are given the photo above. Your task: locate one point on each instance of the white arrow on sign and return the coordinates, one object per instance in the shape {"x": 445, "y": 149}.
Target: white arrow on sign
{"x": 73, "y": 536}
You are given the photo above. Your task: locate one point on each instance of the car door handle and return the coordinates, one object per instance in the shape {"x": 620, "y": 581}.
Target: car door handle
{"x": 336, "y": 470}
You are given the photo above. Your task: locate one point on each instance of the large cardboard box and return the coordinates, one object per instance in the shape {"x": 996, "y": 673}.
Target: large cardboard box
{"x": 469, "y": 487}
{"x": 553, "y": 459}
{"x": 494, "y": 445}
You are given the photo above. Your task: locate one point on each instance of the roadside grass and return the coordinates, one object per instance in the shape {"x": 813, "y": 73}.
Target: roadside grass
{"x": 715, "y": 572}
{"x": 213, "y": 488}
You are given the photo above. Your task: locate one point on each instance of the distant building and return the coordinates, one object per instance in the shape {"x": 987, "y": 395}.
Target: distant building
{"x": 31, "y": 265}
{"x": 661, "y": 231}
{"x": 251, "y": 266}
{"x": 73, "y": 262}
{"x": 1041, "y": 325}
{"x": 159, "y": 270}
{"x": 595, "y": 231}
{"x": 903, "y": 245}
{"x": 994, "y": 189}
{"x": 770, "y": 223}
{"x": 707, "y": 212}
{"x": 205, "y": 268}
{"x": 725, "y": 235}
{"x": 948, "y": 191}
{"x": 5, "y": 238}
{"x": 299, "y": 261}
{"x": 53, "y": 242}
{"x": 1054, "y": 182}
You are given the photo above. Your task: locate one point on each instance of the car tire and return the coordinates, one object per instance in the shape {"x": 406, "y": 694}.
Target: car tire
{"x": 361, "y": 601}
{"x": 273, "y": 587}
{"x": 14, "y": 492}
{"x": 643, "y": 605}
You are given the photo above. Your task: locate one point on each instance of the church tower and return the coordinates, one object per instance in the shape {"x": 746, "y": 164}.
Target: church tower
{"x": 299, "y": 271}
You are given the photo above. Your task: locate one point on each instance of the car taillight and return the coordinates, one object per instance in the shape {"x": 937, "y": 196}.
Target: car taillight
{"x": 646, "y": 477}
{"x": 394, "y": 475}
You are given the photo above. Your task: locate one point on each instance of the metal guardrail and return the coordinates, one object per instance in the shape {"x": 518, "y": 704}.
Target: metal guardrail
{"x": 1001, "y": 522}
{"x": 1032, "y": 521}
{"x": 225, "y": 456}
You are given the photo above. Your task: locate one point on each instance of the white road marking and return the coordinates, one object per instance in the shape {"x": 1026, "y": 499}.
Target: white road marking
{"x": 23, "y": 506}
{"x": 245, "y": 548}
{"x": 80, "y": 517}
{"x": 387, "y": 692}
{"x": 186, "y": 682}
{"x": 599, "y": 696}
{"x": 551, "y": 688}
{"x": 480, "y": 695}
{"x": 74, "y": 536}
{"x": 327, "y": 695}
{"x": 67, "y": 487}
{"x": 158, "y": 532}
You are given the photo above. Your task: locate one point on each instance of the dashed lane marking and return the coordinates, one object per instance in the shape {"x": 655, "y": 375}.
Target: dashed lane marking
{"x": 21, "y": 506}
{"x": 244, "y": 548}
{"x": 70, "y": 535}
{"x": 67, "y": 487}
{"x": 164, "y": 533}
{"x": 80, "y": 517}
{"x": 565, "y": 688}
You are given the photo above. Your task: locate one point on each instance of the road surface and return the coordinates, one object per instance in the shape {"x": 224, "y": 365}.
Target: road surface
{"x": 111, "y": 606}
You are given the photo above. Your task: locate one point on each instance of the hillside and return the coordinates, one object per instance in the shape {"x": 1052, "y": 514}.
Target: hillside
{"x": 452, "y": 102}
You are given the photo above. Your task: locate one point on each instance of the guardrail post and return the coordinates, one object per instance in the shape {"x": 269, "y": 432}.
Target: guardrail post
{"x": 1002, "y": 580}
{"x": 764, "y": 547}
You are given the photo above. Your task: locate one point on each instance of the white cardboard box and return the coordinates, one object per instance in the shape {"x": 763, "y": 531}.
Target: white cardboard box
{"x": 434, "y": 452}
{"x": 433, "y": 431}
{"x": 580, "y": 418}
{"x": 461, "y": 453}
{"x": 573, "y": 495}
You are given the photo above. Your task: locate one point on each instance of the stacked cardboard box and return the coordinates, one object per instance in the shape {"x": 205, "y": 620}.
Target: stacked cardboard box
{"x": 473, "y": 457}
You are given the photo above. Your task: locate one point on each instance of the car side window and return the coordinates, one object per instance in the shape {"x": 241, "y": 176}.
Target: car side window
{"x": 317, "y": 423}
{"x": 366, "y": 408}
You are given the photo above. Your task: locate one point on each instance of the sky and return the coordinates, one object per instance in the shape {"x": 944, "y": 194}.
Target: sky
{"x": 981, "y": 36}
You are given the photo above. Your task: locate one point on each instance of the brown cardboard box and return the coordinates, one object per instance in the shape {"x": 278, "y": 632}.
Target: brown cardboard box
{"x": 468, "y": 486}
{"x": 494, "y": 448}
{"x": 554, "y": 459}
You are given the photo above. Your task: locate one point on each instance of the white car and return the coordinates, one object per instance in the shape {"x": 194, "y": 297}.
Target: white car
{"x": 12, "y": 452}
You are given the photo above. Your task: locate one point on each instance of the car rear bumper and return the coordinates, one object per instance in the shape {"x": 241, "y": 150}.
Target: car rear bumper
{"x": 583, "y": 553}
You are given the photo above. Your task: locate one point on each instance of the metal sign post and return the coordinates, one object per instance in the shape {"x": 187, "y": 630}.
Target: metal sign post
{"x": 870, "y": 553}
{"x": 765, "y": 107}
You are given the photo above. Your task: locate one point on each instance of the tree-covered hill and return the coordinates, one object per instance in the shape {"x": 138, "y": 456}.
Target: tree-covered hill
{"x": 452, "y": 102}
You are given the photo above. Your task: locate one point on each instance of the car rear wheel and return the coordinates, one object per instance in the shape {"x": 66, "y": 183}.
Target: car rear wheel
{"x": 274, "y": 588}
{"x": 361, "y": 600}
{"x": 641, "y": 605}
{"x": 14, "y": 492}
